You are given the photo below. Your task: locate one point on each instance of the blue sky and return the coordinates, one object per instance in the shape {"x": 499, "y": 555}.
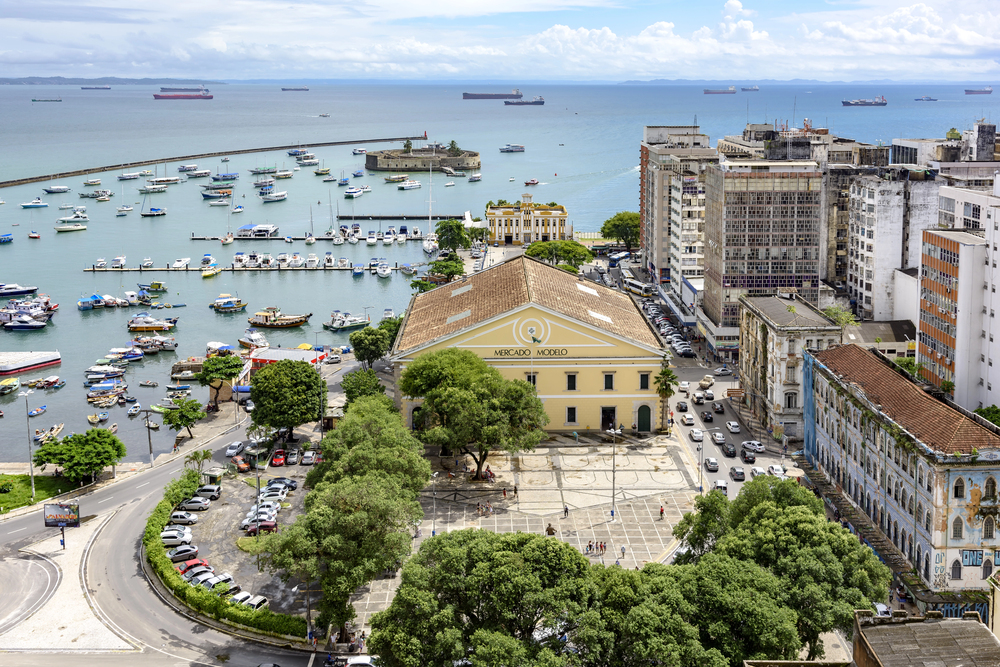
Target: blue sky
{"x": 517, "y": 40}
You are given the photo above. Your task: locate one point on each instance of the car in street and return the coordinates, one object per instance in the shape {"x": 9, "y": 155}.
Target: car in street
{"x": 241, "y": 597}
{"x": 263, "y": 527}
{"x": 753, "y": 446}
{"x": 184, "y": 518}
{"x": 737, "y": 474}
{"x": 292, "y": 458}
{"x": 698, "y": 398}
{"x": 308, "y": 458}
{"x": 718, "y": 409}
{"x": 734, "y": 427}
{"x": 722, "y": 486}
{"x": 249, "y": 406}
{"x": 197, "y": 504}
{"x": 197, "y": 571}
{"x": 718, "y": 438}
{"x": 747, "y": 456}
{"x": 707, "y": 416}
{"x": 757, "y": 471}
{"x": 711, "y": 465}
{"x": 278, "y": 458}
{"x": 729, "y": 449}
{"x": 332, "y": 359}
{"x": 210, "y": 491}
{"x": 235, "y": 448}
{"x": 184, "y": 552}
{"x": 241, "y": 464}
{"x": 709, "y": 395}
{"x": 190, "y": 565}
{"x": 723, "y": 371}
{"x": 684, "y": 386}
{"x": 682, "y": 406}
{"x": 776, "y": 469}
{"x": 687, "y": 419}
{"x": 687, "y": 353}
{"x": 697, "y": 434}
{"x": 174, "y": 538}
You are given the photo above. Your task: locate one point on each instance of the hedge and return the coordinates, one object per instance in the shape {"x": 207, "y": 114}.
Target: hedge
{"x": 197, "y": 597}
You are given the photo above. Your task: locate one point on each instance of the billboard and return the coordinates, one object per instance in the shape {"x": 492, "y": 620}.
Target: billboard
{"x": 60, "y": 516}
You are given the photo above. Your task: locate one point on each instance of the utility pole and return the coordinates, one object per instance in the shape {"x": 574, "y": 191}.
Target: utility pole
{"x": 27, "y": 423}
{"x": 614, "y": 450}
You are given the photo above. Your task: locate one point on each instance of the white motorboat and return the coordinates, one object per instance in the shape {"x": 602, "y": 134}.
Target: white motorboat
{"x": 352, "y": 238}
{"x": 449, "y": 184}
{"x": 207, "y": 259}
{"x": 101, "y": 263}
{"x": 388, "y": 314}
{"x": 239, "y": 260}
{"x": 273, "y": 196}
{"x": 408, "y": 185}
{"x": 219, "y": 202}
{"x": 372, "y": 238}
{"x": 415, "y": 233}
{"x": 118, "y": 262}
{"x": 343, "y": 263}
{"x": 283, "y": 258}
{"x": 296, "y": 261}
{"x": 64, "y": 207}
{"x": 338, "y": 240}
{"x": 71, "y": 227}
{"x": 78, "y": 216}
{"x": 253, "y": 339}
{"x": 181, "y": 263}
{"x": 353, "y": 192}
{"x": 147, "y": 263}
{"x": 345, "y": 321}
{"x": 312, "y": 261}
{"x": 268, "y": 262}
{"x": 389, "y": 238}
{"x": 431, "y": 244}
{"x": 329, "y": 262}
{"x": 383, "y": 270}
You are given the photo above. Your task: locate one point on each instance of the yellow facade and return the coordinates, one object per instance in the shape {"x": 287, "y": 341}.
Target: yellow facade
{"x": 587, "y": 378}
{"x": 525, "y": 221}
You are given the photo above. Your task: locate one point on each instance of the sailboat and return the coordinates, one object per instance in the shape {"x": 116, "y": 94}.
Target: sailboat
{"x": 228, "y": 238}
{"x": 310, "y": 237}
{"x": 124, "y": 208}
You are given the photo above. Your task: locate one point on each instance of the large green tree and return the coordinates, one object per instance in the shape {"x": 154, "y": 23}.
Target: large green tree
{"x": 622, "y": 227}
{"x": 450, "y": 268}
{"x": 287, "y": 394}
{"x": 82, "y": 455}
{"x": 391, "y": 326}
{"x": 294, "y": 553}
{"x": 451, "y": 235}
{"x": 370, "y": 344}
{"x": 360, "y": 383}
{"x": 197, "y": 459}
{"x": 216, "y": 370}
{"x": 185, "y": 415}
{"x": 560, "y": 252}
{"x": 471, "y": 407}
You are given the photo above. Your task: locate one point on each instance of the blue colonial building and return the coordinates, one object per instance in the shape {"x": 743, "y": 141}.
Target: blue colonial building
{"x": 923, "y": 470}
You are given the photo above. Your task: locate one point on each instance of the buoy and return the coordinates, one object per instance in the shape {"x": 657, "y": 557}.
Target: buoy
{"x": 557, "y": 174}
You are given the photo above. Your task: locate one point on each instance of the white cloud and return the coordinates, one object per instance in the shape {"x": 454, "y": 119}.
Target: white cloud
{"x": 734, "y": 8}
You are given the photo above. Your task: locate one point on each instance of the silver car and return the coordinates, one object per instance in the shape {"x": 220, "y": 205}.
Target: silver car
{"x": 718, "y": 438}
{"x": 234, "y": 448}
{"x": 197, "y": 504}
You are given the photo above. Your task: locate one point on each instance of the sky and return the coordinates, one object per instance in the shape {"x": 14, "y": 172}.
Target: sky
{"x": 503, "y": 40}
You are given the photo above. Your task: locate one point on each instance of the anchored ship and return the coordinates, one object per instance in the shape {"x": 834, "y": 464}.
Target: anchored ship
{"x": 537, "y": 101}
{"x": 513, "y": 95}
{"x": 988, "y": 90}
{"x": 199, "y": 89}
{"x": 731, "y": 90}
{"x": 877, "y": 102}
{"x": 95, "y": 87}
{"x": 203, "y": 95}
{"x": 750, "y": 89}
{"x": 296, "y": 88}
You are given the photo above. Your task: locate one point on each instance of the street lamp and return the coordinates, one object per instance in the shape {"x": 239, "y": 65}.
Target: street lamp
{"x": 614, "y": 450}
{"x": 27, "y": 423}
{"x": 434, "y": 518}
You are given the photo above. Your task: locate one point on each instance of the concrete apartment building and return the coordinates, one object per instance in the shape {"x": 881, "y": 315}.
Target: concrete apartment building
{"x": 763, "y": 234}
{"x": 888, "y": 211}
{"x": 672, "y": 163}
{"x": 521, "y": 222}
{"x": 774, "y": 333}
{"x": 923, "y": 471}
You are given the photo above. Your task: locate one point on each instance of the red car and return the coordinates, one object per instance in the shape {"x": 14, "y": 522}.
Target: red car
{"x": 278, "y": 458}
{"x": 188, "y": 564}
{"x": 265, "y": 527}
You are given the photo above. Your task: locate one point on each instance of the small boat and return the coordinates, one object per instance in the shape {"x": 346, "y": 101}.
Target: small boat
{"x": 211, "y": 270}
{"x": 227, "y": 303}
{"x": 103, "y": 416}
{"x": 34, "y": 235}
{"x": 101, "y": 263}
{"x": 253, "y": 339}
{"x": 227, "y": 239}
{"x": 359, "y": 173}
{"x": 475, "y": 178}
{"x": 149, "y": 383}
{"x": 272, "y": 318}
{"x": 533, "y": 181}
{"x": 56, "y": 189}
{"x": 181, "y": 263}
{"x": 147, "y": 263}
{"x": 155, "y": 286}
{"x": 152, "y": 425}
{"x": 134, "y": 410}
{"x": 93, "y": 419}
{"x": 35, "y": 203}
{"x": 408, "y": 185}
{"x": 359, "y": 151}
{"x": 449, "y": 184}
{"x": 925, "y": 98}
{"x": 345, "y": 321}
{"x": 383, "y": 270}
{"x": 225, "y": 159}
{"x": 398, "y": 178}
{"x": 237, "y": 209}
{"x": 113, "y": 428}
{"x": 407, "y": 270}
{"x": 289, "y": 239}
{"x": 358, "y": 270}
{"x": 37, "y": 411}
{"x": 511, "y": 179}
{"x": 92, "y": 181}
{"x": 388, "y": 314}
{"x": 219, "y": 202}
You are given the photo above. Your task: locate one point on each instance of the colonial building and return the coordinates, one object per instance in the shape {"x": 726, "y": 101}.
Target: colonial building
{"x": 587, "y": 348}
{"x": 525, "y": 221}
{"x": 925, "y": 471}
{"x": 775, "y": 331}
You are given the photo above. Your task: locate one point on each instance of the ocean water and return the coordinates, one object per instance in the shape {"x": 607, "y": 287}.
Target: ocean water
{"x": 583, "y": 146}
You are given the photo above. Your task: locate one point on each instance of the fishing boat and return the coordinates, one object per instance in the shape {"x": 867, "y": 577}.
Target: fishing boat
{"x": 149, "y": 383}
{"x": 271, "y": 318}
{"x": 345, "y": 321}
{"x": 144, "y": 322}
{"x": 397, "y": 178}
{"x": 211, "y": 270}
{"x": 227, "y": 303}
{"x": 9, "y": 385}
{"x": 134, "y": 410}
{"x": 154, "y": 286}
{"x": 93, "y": 419}
{"x": 92, "y": 181}
{"x": 253, "y": 339}
{"x": 38, "y": 411}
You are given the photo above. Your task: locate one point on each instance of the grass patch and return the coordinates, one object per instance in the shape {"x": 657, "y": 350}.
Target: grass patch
{"x": 46, "y": 486}
{"x": 247, "y": 544}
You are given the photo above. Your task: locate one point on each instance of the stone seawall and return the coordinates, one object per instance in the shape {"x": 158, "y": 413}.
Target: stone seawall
{"x": 420, "y": 161}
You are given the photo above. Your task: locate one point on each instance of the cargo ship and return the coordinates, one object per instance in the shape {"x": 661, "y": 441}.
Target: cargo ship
{"x": 925, "y": 98}
{"x": 750, "y": 89}
{"x": 95, "y": 87}
{"x": 731, "y": 90}
{"x": 297, "y": 88}
{"x": 988, "y": 90}
{"x": 877, "y": 102}
{"x": 512, "y": 95}
{"x": 199, "y": 89}
{"x": 537, "y": 101}
{"x": 203, "y": 95}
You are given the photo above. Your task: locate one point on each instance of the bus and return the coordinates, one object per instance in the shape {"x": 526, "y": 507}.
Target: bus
{"x": 636, "y": 287}
{"x": 615, "y": 259}
{"x": 628, "y": 275}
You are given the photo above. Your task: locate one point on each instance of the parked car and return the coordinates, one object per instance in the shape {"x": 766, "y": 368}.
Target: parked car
{"x": 278, "y": 458}
{"x": 231, "y": 589}
{"x": 174, "y": 538}
{"x": 184, "y": 552}
{"x": 197, "y": 571}
{"x": 225, "y": 578}
{"x": 687, "y": 419}
{"x": 332, "y": 359}
{"x": 196, "y": 504}
{"x": 723, "y": 371}
{"x": 681, "y": 406}
{"x": 706, "y": 416}
{"x": 190, "y": 565}
{"x": 777, "y": 470}
{"x": 697, "y": 434}
{"x": 210, "y": 491}
{"x": 184, "y": 518}
{"x": 263, "y": 527}
{"x": 267, "y": 505}
{"x": 234, "y": 448}
{"x": 201, "y": 578}
{"x": 753, "y": 446}
{"x": 718, "y": 409}
{"x": 241, "y": 464}
{"x": 734, "y": 427}
{"x": 257, "y": 602}
{"x": 284, "y": 481}
{"x": 177, "y": 528}
{"x": 719, "y": 438}
{"x": 241, "y": 597}
{"x": 722, "y": 486}
{"x": 729, "y": 449}
{"x": 308, "y": 458}
{"x": 263, "y": 517}
{"x": 748, "y": 456}
{"x": 882, "y": 610}
{"x": 757, "y": 471}
{"x": 737, "y": 474}
{"x": 292, "y": 457}
{"x": 271, "y": 494}
{"x": 711, "y": 465}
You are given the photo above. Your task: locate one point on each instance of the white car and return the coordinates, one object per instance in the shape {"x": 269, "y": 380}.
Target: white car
{"x": 697, "y": 434}
{"x": 173, "y": 538}
{"x": 260, "y": 518}
{"x": 687, "y": 419}
{"x": 757, "y": 471}
{"x": 718, "y": 438}
{"x": 684, "y": 386}
{"x": 777, "y": 470}
{"x": 269, "y": 506}
{"x": 234, "y": 448}
{"x": 722, "y": 485}
{"x": 753, "y": 446}
{"x": 723, "y": 371}
{"x": 271, "y": 495}
{"x": 734, "y": 427}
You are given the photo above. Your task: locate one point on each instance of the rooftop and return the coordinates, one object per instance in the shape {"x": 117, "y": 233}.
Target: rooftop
{"x": 895, "y": 331}
{"x": 472, "y": 300}
{"x": 788, "y": 312}
{"x": 959, "y": 236}
{"x": 938, "y": 426}
{"x": 929, "y": 641}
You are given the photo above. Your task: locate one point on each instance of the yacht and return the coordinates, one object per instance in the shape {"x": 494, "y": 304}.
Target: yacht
{"x": 343, "y": 263}
{"x": 338, "y": 240}
{"x": 372, "y": 238}
{"x": 283, "y": 258}
{"x": 206, "y": 260}
{"x": 345, "y": 321}
{"x": 312, "y": 261}
{"x": 239, "y": 260}
{"x": 431, "y": 244}
{"x": 388, "y": 314}
{"x": 56, "y": 189}
{"x": 181, "y": 263}
{"x": 77, "y": 216}
{"x": 353, "y": 192}
{"x": 267, "y": 262}
{"x": 296, "y": 261}
{"x": 147, "y": 263}
{"x": 408, "y": 185}
{"x": 415, "y": 233}
{"x": 118, "y": 262}
{"x": 329, "y": 262}
{"x": 389, "y": 238}
{"x": 383, "y": 270}
{"x": 352, "y": 238}
{"x": 253, "y": 339}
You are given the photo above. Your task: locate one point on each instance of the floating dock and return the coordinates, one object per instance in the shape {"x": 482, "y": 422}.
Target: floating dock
{"x": 20, "y": 362}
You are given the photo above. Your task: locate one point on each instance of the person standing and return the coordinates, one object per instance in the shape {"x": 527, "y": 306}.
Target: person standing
{"x": 565, "y": 511}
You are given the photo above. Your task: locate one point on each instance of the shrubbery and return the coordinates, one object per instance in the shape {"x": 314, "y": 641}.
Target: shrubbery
{"x": 197, "y": 597}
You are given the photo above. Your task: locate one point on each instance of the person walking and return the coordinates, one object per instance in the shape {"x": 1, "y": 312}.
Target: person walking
{"x": 590, "y": 545}
{"x": 661, "y": 512}
{"x": 565, "y": 511}
{"x": 505, "y": 493}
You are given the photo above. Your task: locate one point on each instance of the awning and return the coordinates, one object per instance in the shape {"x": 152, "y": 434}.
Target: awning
{"x": 242, "y": 389}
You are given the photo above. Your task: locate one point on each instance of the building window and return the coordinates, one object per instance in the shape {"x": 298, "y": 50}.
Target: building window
{"x": 956, "y": 529}
{"x": 987, "y": 568}
{"x": 532, "y": 378}
{"x": 609, "y": 381}
{"x": 956, "y": 570}
{"x": 643, "y": 381}
{"x": 791, "y": 400}
{"x": 960, "y": 488}
{"x": 570, "y": 415}
{"x": 990, "y": 490}
{"x": 988, "y": 528}
{"x": 927, "y": 520}
{"x": 571, "y": 383}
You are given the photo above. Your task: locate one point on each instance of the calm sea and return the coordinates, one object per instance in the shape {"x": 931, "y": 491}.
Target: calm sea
{"x": 582, "y": 145}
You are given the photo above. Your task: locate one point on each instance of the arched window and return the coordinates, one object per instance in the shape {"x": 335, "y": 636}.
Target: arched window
{"x": 791, "y": 400}
{"x": 927, "y": 567}
{"x": 927, "y": 520}
{"x": 930, "y": 481}
{"x": 956, "y": 528}
{"x": 920, "y": 476}
{"x": 920, "y": 512}
{"x": 909, "y": 506}
{"x": 902, "y": 498}
{"x": 987, "y": 568}
{"x": 988, "y": 528}
{"x": 920, "y": 554}
{"x": 960, "y": 488}
{"x": 956, "y": 570}
{"x": 990, "y": 489}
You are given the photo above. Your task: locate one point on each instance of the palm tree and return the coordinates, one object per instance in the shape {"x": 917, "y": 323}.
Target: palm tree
{"x": 665, "y": 382}
{"x": 197, "y": 459}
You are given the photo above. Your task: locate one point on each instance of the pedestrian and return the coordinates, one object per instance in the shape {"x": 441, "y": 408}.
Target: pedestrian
{"x": 590, "y": 545}
{"x": 661, "y": 512}
{"x": 515, "y": 490}
{"x": 479, "y": 509}
{"x": 623, "y": 552}
{"x": 634, "y": 431}
{"x": 565, "y": 511}
{"x": 604, "y": 547}
{"x": 505, "y": 493}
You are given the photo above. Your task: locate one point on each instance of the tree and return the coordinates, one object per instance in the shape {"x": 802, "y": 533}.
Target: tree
{"x": 842, "y": 317}
{"x": 990, "y": 413}
{"x": 187, "y": 412}
{"x": 422, "y": 286}
{"x": 370, "y": 344}
{"x": 287, "y": 394}
{"x": 392, "y": 326}
{"x": 196, "y": 460}
{"x": 82, "y": 455}
{"x": 453, "y": 149}
{"x": 568, "y": 268}
{"x": 472, "y": 408}
{"x": 407, "y": 146}
{"x": 294, "y": 553}
{"x": 361, "y": 383}
{"x": 216, "y": 370}
{"x": 699, "y": 531}
{"x": 622, "y": 227}
{"x": 564, "y": 252}
{"x": 665, "y": 382}
{"x": 450, "y": 268}
{"x": 909, "y": 364}
{"x": 451, "y": 235}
